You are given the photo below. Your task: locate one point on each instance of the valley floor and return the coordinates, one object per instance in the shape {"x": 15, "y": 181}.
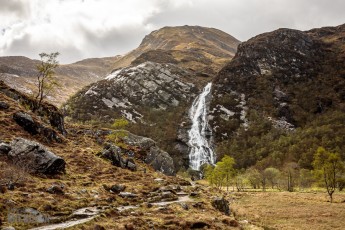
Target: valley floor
{"x": 290, "y": 210}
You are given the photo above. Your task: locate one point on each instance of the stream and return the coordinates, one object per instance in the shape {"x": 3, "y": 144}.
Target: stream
{"x": 87, "y": 214}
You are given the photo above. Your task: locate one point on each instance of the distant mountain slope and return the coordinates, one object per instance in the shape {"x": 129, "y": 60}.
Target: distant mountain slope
{"x": 200, "y": 49}
{"x": 20, "y": 73}
{"x": 285, "y": 79}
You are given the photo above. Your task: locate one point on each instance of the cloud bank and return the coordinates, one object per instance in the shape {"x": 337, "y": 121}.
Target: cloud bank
{"x": 95, "y": 28}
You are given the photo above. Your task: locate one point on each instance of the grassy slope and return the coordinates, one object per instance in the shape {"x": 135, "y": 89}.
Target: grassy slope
{"x": 83, "y": 183}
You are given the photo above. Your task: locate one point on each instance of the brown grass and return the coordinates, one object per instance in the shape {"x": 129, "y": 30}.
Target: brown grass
{"x": 296, "y": 210}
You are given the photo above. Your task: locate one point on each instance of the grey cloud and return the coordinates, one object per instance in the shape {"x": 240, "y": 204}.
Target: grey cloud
{"x": 17, "y": 7}
{"x": 240, "y": 18}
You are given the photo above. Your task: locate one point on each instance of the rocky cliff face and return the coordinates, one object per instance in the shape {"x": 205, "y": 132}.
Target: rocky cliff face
{"x": 285, "y": 77}
{"x": 132, "y": 92}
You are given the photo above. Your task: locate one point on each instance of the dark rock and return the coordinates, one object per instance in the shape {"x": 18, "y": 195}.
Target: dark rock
{"x": 160, "y": 160}
{"x": 199, "y": 224}
{"x": 154, "y": 156}
{"x": 56, "y": 189}
{"x": 194, "y": 194}
{"x": 221, "y": 204}
{"x": 117, "y": 188}
{"x": 4, "y": 105}
{"x": 34, "y": 127}
{"x": 35, "y": 157}
{"x": 4, "y": 148}
{"x": 117, "y": 157}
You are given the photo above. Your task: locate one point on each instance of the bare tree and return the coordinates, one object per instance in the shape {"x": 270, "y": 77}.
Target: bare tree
{"x": 45, "y": 78}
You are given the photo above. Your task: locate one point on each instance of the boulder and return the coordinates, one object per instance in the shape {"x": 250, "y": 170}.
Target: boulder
{"x": 154, "y": 156}
{"x": 221, "y": 204}
{"x": 117, "y": 157}
{"x": 26, "y": 216}
{"x": 117, "y": 188}
{"x": 56, "y": 189}
{"x": 161, "y": 161}
{"x": 33, "y": 127}
{"x": 35, "y": 157}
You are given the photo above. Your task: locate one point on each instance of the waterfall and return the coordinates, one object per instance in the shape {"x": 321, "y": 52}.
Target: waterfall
{"x": 201, "y": 151}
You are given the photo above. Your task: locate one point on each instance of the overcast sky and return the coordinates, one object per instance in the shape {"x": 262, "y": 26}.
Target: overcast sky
{"x": 95, "y": 28}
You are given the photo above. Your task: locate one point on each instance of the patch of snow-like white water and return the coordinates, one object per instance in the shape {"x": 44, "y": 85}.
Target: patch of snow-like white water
{"x": 201, "y": 151}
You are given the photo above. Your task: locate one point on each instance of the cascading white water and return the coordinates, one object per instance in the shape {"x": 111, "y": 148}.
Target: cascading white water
{"x": 201, "y": 151}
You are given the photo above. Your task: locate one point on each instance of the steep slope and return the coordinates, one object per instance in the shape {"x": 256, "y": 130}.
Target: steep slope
{"x": 20, "y": 73}
{"x": 201, "y": 49}
{"x": 282, "y": 80}
{"x": 90, "y": 185}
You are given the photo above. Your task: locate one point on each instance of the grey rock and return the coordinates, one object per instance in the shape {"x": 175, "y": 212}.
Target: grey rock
{"x": 221, "y": 204}
{"x": 33, "y": 127}
{"x": 157, "y": 158}
{"x": 56, "y": 189}
{"x": 35, "y": 157}
{"x": 26, "y": 216}
{"x": 118, "y": 157}
{"x": 117, "y": 188}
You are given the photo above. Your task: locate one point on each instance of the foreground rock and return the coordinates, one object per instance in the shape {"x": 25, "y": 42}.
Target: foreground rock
{"x": 33, "y": 127}
{"x": 35, "y": 157}
{"x": 221, "y": 204}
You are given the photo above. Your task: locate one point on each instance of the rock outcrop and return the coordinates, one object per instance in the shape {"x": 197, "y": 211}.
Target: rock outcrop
{"x": 130, "y": 92}
{"x": 152, "y": 154}
{"x": 50, "y": 113}
{"x": 118, "y": 157}
{"x": 33, "y": 127}
{"x": 221, "y": 204}
{"x": 35, "y": 158}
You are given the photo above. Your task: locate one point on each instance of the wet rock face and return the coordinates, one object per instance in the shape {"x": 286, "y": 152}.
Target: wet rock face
{"x": 35, "y": 157}
{"x": 276, "y": 74}
{"x": 127, "y": 91}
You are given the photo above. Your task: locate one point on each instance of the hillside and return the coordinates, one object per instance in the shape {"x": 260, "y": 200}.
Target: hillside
{"x": 75, "y": 176}
{"x": 20, "y": 73}
{"x": 281, "y": 97}
{"x": 200, "y": 49}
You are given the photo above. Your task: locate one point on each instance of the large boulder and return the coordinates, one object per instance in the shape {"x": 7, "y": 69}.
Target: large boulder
{"x": 221, "y": 204}
{"x": 118, "y": 157}
{"x": 33, "y": 127}
{"x": 154, "y": 156}
{"x": 35, "y": 157}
